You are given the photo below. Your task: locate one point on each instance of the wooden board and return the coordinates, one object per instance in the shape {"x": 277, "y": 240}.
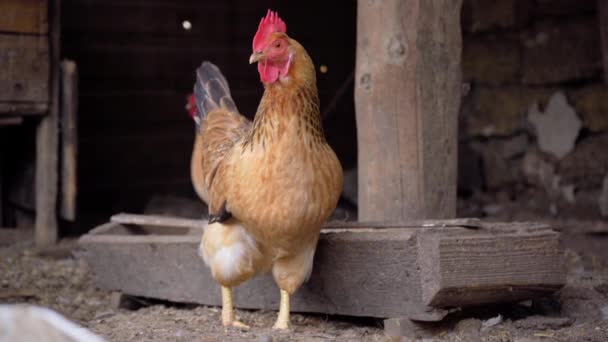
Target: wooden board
{"x": 69, "y": 139}
{"x": 10, "y": 120}
{"x": 47, "y": 147}
{"x": 407, "y": 96}
{"x": 24, "y": 16}
{"x": 359, "y": 271}
{"x": 24, "y": 68}
{"x": 12, "y": 109}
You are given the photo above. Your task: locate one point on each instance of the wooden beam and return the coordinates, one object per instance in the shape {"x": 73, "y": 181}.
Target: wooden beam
{"x": 23, "y": 108}
{"x": 47, "y": 136}
{"x": 396, "y": 272}
{"x": 407, "y": 96}
{"x": 24, "y": 68}
{"x": 69, "y": 139}
{"x": 165, "y": 221}
{"x": 24, "y": 16}
{"x": 10, "y": 120}
{"x": 602, "y": 13}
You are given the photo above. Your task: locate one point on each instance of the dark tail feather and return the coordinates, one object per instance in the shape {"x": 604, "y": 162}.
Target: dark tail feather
{"x": 211, "y": 90}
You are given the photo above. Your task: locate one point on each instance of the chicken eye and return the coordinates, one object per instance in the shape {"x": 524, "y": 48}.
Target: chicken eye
{"x": 277, "y": 44}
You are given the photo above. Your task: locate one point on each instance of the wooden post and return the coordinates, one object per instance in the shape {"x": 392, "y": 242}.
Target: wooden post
{"x": 69, "y": 139}
{"x": 407, "y": 97}
{"x": 47, "y": 138}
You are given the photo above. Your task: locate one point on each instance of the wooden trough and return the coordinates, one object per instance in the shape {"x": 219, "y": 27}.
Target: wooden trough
{"x": 419, "y": 270}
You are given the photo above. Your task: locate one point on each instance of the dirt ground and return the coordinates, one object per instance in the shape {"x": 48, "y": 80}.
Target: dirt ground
{"x": 55, "y": 279}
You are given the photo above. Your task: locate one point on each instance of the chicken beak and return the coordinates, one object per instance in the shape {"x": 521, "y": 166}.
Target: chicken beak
{"x": 256, "y": 56}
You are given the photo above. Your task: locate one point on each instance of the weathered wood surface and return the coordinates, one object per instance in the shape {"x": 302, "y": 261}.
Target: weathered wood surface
{"x": 10, "y": 120}
{"x": 24, "y": 16}
{"x": 507, "y": 263}
{"x": 69, "y": 139}
{"x": 602, "y": 14}
{"x": 47, "y": 147}
{"x": 11, "y": 109}
{"x": 24, "y": 68}
{"x": 157, "y": 220}
{"x": 407, "y": 96}
{"x": 397, "y": 272}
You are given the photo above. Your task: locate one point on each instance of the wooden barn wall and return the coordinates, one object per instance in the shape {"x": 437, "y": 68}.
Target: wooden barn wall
{"x": 137, "y": 63}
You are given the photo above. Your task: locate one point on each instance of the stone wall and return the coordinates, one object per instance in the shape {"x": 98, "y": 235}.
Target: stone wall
{"x": 534, "y": 120}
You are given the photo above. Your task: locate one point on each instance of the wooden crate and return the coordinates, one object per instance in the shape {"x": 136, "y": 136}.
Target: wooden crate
{"x": 418, "y": 270}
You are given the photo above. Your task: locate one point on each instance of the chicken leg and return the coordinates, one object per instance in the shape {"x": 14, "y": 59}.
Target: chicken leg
{"x": 228, "y": 316}
{"x": 282, "y": 322}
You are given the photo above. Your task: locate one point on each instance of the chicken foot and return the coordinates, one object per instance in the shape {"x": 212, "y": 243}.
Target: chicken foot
{"x": 228, "y": 316}
{"x": 282, "y": 322}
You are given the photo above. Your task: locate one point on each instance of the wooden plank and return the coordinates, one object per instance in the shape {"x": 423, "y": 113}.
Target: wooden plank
{"x": 407, "y": 95}
{"x": 10, "y": 120}
{"x": 474, "y": 223}
{"x": 360, "y": 272}
{"x": 24, "y": 16}
{"x": 602, "y": 13}
{"x": 47, "y": 148}
{"x": 23, "y": 108}
{"x": 155, "y": 220}
{"x": 69, "y": 139}
{"x": 480, "y": 268}
{"x": 24, "y": 68}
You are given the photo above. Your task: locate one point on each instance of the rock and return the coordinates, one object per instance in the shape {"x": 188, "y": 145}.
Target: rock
{"x": 591, "y": 104}
{"x": 568, "y": 193}
{"x": 482, "y": 15}
{"x": 487, "y": 324}
{"x": 491, "y": 59}
{"x": 495, "y": 111}
{"x": 543, "y": 323}
{"x": 500, "y": 111}
{"x": 562, "y": 51}
{"x": 556, "y": 128}
{"x": 587, "y": 165}
{"x": 538, "y": 169}
{"x": 603, "y": 198}
{"x": 510, "y": 147}
{"x": 497, "y": 170}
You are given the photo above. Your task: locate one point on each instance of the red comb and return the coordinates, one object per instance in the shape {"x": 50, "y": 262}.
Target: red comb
{"x": 268, "y": 25}
{"x": 191, "y": 106}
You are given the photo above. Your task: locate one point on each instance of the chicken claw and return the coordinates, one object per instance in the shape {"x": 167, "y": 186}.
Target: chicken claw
{"x": 282, "y": 322}
{"x": 228, "y": 316}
